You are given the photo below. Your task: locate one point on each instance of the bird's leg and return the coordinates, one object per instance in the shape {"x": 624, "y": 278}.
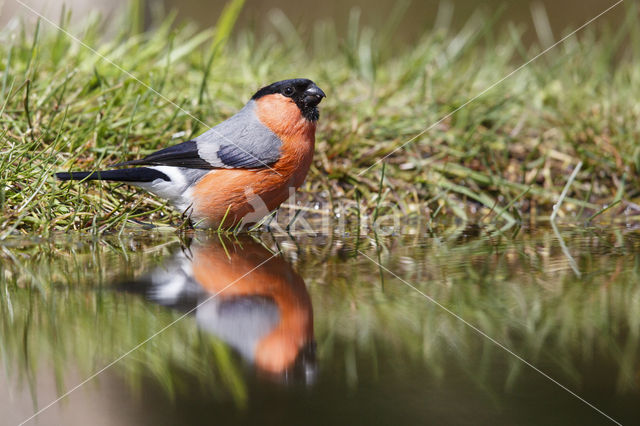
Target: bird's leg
{"x": 185, "y": 217}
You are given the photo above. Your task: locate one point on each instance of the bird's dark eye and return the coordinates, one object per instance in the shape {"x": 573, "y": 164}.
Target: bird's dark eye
{"x": 288, "y": 91}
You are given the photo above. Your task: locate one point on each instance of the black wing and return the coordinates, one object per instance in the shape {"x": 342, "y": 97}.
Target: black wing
{"x": 184, "y": 154}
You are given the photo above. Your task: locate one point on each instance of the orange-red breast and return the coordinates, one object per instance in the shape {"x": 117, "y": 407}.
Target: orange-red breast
{"x": 241, "y": 169}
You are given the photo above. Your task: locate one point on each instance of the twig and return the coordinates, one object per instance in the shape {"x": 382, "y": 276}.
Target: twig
{"x": 556, "y": 207}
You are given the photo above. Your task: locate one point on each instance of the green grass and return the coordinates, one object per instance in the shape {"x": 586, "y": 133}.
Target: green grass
{"x": 505, "y": 157}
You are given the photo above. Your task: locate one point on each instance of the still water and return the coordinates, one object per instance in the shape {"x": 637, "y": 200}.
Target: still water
{"x": 321, "y": 329}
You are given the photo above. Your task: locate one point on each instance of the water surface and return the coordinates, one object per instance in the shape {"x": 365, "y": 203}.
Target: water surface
{"x": 311, "y": 330}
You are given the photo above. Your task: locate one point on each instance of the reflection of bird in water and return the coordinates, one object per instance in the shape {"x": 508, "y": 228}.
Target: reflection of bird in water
{"x": 266, "y": 314}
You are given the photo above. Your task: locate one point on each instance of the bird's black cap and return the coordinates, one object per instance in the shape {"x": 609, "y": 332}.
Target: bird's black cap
{"x": 304, "y": 92}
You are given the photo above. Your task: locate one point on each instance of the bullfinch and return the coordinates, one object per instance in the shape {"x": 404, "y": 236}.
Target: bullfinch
{"x": 243, "y": 294}
{"x": 239, "y": 170}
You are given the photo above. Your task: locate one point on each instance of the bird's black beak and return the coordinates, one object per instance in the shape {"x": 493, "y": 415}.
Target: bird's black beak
{"x": 313, "y": 95}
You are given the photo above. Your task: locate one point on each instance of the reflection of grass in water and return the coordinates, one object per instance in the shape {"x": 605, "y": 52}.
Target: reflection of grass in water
{"x": 521, "y": 292}
{"x": 60, "y": 307}
{"x": 62, "y": 108}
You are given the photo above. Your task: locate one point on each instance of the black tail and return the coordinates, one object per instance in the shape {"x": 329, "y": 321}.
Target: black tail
{"x": 140, "y": 174}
